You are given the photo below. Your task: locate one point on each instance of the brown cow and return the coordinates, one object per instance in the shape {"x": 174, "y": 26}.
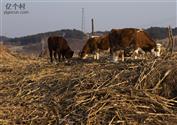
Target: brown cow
{"x": 122, "y": 40}
{"x": 59, "y": 46}
{"x": 94, "y": 45}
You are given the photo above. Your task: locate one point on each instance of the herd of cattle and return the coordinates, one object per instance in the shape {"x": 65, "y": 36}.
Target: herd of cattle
{"x": 118, "y": 41}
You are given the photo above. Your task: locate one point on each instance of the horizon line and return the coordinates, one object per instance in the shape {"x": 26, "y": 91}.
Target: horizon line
{"x": 78, "y": 30}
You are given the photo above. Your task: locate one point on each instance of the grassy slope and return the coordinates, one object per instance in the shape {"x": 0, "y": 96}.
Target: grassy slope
{"x": 33, "y": 91}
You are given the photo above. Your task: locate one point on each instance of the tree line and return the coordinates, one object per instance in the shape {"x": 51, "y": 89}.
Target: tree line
{"x": 156, "y": 33}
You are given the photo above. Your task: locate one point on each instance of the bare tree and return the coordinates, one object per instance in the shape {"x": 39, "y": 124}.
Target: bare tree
{"x": 171, "y": 40}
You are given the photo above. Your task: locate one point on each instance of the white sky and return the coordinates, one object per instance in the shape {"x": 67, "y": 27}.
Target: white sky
{"x": 51, "y": 15}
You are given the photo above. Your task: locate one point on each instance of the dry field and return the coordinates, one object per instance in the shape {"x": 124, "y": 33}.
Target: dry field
{"x": 35, "y": 92}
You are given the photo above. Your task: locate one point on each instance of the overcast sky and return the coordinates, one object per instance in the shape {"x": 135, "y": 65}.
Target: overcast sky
{"x": 51, "y": 15}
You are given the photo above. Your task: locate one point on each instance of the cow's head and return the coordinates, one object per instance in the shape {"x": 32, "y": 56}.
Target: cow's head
{"x": 157, "y": 50}
{"x": 85, "y": 51}
{"x": 83, "y": 54}
{"x": 69, "y": 54}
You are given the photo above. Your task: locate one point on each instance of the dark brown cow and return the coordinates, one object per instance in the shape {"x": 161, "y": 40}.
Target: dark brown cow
{"x": 94, "y": 45}
{"x": 59, "y": 46}
{"x": 129, "y": 38}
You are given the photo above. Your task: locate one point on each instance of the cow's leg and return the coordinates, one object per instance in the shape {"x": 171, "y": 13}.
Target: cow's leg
{"x": 94, "y": 56}
{"x": 122, "y": 55}
{"x": 118, "y": 54}
{"x": 59, "y": 55}
{"x": 115, "y": 56}
{"x": 155, "y": 53}
{"x": 139, "y": 53}
{"x": 142, "y": 53}
{"x": 63, "y": 56}
{"x": 55, "y": 55}
{"x": 98, "y": 55}
{"x": 135, "y": 54}
{"x": 51, "y": 54}
{"x": 85, "y": 56}
{"x": 158, "y": 50}
{"x": 111, "y": 52}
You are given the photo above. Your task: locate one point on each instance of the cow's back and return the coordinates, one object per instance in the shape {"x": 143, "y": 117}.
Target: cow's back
{"x": 127, "y": 37}
{"x": 52, "y": 43}
{"x": 122, "y": 38}
{"x": 57, "y": 43}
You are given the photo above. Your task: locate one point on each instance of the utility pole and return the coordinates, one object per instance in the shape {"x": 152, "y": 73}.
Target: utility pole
{"x": 92, "y": 27}
{"x": 83, "y": 21}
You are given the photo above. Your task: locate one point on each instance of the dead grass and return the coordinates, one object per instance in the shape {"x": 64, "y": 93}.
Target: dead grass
{"x": 33, "y": 91}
